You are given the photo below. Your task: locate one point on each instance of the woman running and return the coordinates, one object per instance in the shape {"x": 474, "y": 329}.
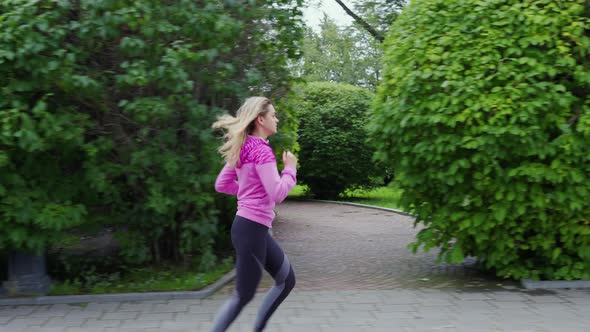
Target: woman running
{"x": 251, "y": 173}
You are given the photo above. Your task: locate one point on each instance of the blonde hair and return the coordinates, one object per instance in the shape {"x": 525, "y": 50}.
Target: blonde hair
{"x": 237, "y": 128}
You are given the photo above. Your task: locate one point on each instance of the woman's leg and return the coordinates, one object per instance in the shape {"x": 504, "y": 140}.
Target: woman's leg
{"x": 277, "y": 264}
{"x": 249, "y": 241}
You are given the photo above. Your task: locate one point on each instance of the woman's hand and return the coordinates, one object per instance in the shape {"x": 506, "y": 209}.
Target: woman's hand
{"x": 289, "y": 159}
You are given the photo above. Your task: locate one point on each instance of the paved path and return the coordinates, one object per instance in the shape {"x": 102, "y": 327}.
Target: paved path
{"x": 354, "y": 274}
{"x": 342, "y": 247}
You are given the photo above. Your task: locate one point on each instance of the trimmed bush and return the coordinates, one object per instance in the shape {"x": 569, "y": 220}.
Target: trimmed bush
{"x": 484, "y": 114}
{"x": 105, "y": 114}
{"x": 334, "y": 155}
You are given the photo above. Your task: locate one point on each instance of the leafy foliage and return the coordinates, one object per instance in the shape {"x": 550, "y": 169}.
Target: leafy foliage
{"x": 350, "y": 54}
{"x": 484, "y": 113}
{"x": 380, "y": 14}
{"x": 105, "y": 114}
{"x": 341, "y": 55}
{"x": 332, "y": 134}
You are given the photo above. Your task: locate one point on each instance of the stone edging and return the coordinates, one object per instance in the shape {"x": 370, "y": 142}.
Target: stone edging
{"x": 526, "y": 283}
{"x": 554, "y": 284}
{"x": 122, "y": 297}
{"x": 354, "y": 204}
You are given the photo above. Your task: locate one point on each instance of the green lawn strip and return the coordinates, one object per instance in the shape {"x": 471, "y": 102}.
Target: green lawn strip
{"x": 148, "y": 279}
{"x": 387, "y": 197}
{"x": 299, "y": 191}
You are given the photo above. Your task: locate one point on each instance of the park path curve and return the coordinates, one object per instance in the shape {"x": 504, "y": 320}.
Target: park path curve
{"x": 343, "y": 247}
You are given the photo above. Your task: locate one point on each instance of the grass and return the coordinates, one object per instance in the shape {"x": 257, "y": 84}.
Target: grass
{"x": 387, "y": 197}
{"x": 298, "y": 191}
{"x": 148, "y": 279}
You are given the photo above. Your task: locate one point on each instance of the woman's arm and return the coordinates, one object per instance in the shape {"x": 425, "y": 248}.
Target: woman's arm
{"x": 226, "y": 181}
{"x": 277, "y": 187}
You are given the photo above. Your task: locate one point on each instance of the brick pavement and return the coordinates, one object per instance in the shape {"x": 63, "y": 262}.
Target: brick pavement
{"x": 354, "y": 274}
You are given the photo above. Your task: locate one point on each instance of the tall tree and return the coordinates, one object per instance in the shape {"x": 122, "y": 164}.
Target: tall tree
{"x": 380, "y": 14}
{"x": 360, "y": 21}
{"x": 105, "y": 114}
{"x": 374, "y": 16}
{"x": 343, "y": 55}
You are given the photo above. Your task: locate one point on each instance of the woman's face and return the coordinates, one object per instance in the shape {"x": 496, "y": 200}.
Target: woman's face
{"x": 268, "y": 122}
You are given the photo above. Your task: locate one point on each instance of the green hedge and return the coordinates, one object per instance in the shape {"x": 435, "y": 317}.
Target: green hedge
{"x": 334, "y": 155}
{"x": 484, "y": 113}
{"x": 106, "y": 109}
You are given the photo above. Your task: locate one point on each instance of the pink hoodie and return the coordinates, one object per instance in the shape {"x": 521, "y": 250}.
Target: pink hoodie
{"x": 258, "y": 186}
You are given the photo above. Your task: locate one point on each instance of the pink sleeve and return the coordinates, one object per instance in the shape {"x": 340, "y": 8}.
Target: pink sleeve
{"x": 226, "y": 181}
{"x": 277, "y": 187}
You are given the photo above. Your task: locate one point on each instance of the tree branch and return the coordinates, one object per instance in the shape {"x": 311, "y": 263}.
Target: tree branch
{"x": 362, "y": 22}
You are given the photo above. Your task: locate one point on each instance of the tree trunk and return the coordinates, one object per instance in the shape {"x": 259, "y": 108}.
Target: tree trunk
{"x": 362, "y": 22}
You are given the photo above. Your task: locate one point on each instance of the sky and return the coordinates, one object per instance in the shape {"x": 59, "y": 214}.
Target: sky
{"x": 314, "y": 13}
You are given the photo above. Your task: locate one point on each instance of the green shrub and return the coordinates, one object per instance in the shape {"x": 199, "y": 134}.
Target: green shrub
{"x": 333, "y": 153}
{"x": 105, "y": 114}
{"x": 484, "y": 114}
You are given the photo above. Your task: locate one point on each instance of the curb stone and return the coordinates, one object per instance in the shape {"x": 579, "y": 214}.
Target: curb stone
{"x": 355, "y": 204}
{"x": 554, "y": 284}
{"x": 122, "y": 297}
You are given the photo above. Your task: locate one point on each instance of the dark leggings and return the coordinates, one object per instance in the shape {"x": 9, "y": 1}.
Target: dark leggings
{"x": 255, "y": 250}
